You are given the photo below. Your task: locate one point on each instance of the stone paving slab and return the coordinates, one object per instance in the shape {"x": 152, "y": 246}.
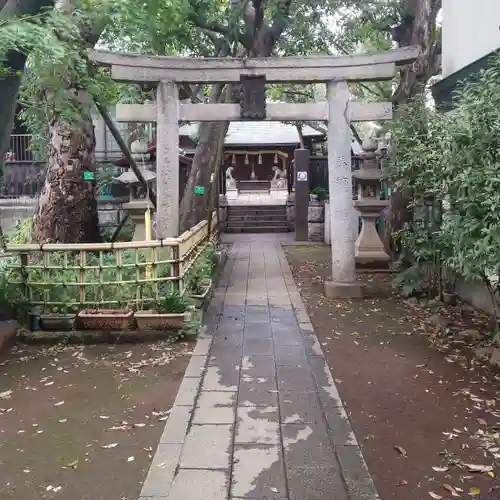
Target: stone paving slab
{"x": 258, "y": 416}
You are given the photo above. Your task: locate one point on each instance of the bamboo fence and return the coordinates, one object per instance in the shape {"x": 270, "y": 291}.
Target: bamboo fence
{"x": 71, "y": 277}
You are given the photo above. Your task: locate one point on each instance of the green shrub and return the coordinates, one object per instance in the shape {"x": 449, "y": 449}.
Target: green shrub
{"x": 201, "y": 271}
{"x": 172, "y": 303}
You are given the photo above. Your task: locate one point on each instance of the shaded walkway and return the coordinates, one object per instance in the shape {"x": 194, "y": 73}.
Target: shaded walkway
{"x": 258, "y": 415}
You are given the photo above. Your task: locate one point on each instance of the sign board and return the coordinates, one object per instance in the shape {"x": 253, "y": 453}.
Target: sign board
{"x": 200, "y": 190}
{"x": 88, "y": 176}
{"x": 302, "y": 176}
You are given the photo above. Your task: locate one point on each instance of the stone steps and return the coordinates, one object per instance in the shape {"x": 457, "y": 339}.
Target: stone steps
{"x": 257, "y": 219}
{"x": 257, "y": 229}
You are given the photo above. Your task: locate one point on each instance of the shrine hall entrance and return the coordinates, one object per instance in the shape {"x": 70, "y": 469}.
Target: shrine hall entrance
{"x": 257, "y": 161}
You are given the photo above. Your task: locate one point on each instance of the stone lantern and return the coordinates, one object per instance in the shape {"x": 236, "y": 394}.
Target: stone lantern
{"x": 137, "y": 206}
{"x": 369, "y": 247}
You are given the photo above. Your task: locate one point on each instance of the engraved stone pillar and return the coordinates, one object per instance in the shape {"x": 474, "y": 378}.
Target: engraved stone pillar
{"x": 369, "y": 247}
{"x": 167, "y": 161}
{"x": 344, "y": 283}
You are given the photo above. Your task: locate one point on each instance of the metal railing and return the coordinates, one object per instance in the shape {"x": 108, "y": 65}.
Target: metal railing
{"x": 20, "y": 150}
{"x": 71, "y": 277}
{"x": 27, "y": 179}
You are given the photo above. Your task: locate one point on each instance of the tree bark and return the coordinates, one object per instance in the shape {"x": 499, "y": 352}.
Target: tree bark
{"x": 419, "y": 28}
{"x": 67, "y": 209}
{"x": 193, "y": 207}
{"x": 10, "y": 83}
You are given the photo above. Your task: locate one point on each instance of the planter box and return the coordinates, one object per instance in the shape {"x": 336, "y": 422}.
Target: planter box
{"x": 105, "y": 319}
{"x": 200, "y": 300}
{"x": 150, "y": 320}
{"x": 57, "y": 322}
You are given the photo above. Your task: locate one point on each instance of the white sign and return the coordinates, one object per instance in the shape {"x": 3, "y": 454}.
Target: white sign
{"x": 302, "y": 176}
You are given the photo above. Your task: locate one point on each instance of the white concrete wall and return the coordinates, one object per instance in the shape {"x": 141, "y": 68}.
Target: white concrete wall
{"x": 471, "y": 30}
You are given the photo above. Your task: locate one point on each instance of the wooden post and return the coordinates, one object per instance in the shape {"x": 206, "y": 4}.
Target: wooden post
{"x": 301, "y": 157}
{"x": 343, "y": 284}
{"x": 167, "y": 161}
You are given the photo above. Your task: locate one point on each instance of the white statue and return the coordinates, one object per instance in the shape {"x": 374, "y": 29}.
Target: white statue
{"x": 279, "y": 179}
{"x": 230, "y": 181}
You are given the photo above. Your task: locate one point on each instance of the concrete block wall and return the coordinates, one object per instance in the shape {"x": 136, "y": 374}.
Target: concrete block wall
{"x": 16, "y": 210}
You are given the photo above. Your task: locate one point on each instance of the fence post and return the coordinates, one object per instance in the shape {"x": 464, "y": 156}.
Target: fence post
{"x": 175, "y": 271}
{"x": 25, "y": 288}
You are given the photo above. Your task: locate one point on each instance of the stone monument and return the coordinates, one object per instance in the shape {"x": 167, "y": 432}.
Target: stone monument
{"x": 230, "y": 180}
{"x": 279, "y": 180}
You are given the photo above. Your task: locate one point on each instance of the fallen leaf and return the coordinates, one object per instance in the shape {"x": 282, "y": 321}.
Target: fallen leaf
{"x": 474, "y": 491}
{"x": 403, "y": 482}
{"x": 63, "y": 420}
{"x": 59, "y": 403}
{"x": 274, "y": 490}
{"x": 5, "y": 394}
{"x": 479, "y": 468}
{"x": 130, "y": 459}
{"x": 401, "y": 451}
{"x": 140, "y": 425}
{"x": 435, "y": 495}
{"x": 440, "y": 469}
{"x": 73, "y": 464}
{"x": 53, "y": 488}
{"x": 450, "y": 489}
{"x": 104, "y": 417}
{"x": 107, "y": 446}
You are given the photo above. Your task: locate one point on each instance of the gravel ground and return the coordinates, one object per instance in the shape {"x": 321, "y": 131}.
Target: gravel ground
{"x": 82, "y": 422}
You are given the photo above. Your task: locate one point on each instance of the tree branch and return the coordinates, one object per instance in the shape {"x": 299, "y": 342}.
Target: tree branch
{"x": 281, "y": 18}
{"x": 209, "y": 26}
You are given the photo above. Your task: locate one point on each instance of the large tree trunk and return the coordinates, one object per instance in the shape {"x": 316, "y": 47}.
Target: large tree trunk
{"x": 67, "y": 210}
{"x": 10, "y": 82}
{"x": 194, "y": 207}
{"x": 417, "y": 28}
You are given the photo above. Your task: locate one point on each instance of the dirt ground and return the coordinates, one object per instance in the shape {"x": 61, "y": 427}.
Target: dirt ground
{"x": 83, "y": 422}
{"x": 426, "y": 416}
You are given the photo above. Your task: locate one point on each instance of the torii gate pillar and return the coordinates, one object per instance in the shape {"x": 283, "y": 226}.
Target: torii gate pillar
{"x": 344, "y": 283}
{"x": 167, "y": 161}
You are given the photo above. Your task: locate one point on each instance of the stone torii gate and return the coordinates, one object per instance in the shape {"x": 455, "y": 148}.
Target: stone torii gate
{"x": 169, "y": 72}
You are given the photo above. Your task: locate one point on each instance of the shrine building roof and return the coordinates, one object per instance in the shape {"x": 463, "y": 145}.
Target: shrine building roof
{"x": 258, "y": 133}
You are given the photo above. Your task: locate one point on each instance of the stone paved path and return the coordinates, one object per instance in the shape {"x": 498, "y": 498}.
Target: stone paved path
{"x": 258, "y": 415}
